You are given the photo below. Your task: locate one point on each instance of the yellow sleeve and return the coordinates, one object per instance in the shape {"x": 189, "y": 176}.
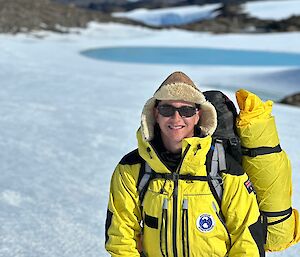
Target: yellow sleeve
{"x": 241, "y": 213}
{"x": 123, "y": 215}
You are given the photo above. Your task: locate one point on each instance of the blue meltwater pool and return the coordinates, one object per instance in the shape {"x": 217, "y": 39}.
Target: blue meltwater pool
{"x": 194, "y": 56}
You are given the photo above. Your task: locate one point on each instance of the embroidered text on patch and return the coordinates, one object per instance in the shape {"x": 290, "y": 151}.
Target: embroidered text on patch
{"x": 205, "y": 223}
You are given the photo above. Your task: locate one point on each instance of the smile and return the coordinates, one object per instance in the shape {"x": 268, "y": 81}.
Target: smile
{"x": 176, "y": 127}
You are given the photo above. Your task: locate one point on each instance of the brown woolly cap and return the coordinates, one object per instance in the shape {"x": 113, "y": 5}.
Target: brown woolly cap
{"x": 180, "y": 87}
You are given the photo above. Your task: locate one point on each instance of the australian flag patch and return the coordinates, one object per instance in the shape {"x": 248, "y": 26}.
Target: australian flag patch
{"x": 249, "y": 186}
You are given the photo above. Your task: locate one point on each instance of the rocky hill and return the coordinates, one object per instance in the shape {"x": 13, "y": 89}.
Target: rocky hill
{"x": 27, "y": 15}
{"x": 232, "y": 19}
{"x": 244, "y": 24}
{"x": 292, "y": 99}
{"x": 125, "y": 5}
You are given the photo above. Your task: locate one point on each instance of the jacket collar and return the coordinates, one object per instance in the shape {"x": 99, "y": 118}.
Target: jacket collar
{"x": 195, "y": 149}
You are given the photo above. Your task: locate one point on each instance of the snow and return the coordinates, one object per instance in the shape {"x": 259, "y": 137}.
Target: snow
{"x": 276, "y": 10}
{"x": 66, "y": 120}
{"x": 171, "y": 16}
{"x": 182, "y": 15}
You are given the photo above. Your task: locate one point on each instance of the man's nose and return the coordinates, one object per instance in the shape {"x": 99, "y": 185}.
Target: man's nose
{"x": 176, "y": 115}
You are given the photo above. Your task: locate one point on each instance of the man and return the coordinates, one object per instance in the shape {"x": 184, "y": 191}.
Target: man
{"x": 179, "y": 215}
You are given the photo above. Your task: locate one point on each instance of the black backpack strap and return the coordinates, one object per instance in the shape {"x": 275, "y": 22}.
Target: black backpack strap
{"x": 147, "y": 174}
{"x": 286, "y": 213}
{"x": 176, "y": 176}
{"x": 253, "y": 152}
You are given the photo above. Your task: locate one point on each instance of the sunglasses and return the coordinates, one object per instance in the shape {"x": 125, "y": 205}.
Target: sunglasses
{"x": 185, "y": 111}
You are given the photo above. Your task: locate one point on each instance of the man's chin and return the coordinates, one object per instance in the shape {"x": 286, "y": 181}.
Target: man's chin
{"x": 177, "y": 138}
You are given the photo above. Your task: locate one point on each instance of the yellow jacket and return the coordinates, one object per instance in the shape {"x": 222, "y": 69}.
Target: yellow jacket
{"x": 181, "y": 218}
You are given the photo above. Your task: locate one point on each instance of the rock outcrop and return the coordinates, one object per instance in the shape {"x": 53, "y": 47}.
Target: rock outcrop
{"x": 292, "y": 99}
{"x": 28, "y": 15}
{"x": 232, "y": 19}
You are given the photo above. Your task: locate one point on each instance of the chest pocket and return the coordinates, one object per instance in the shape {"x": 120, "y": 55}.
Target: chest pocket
{"x": 156, "y": 218}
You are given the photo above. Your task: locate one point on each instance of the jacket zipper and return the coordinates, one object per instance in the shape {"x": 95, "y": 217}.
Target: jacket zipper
{"x": 175, "y": 195}
{"x": 175, "y": 201}
{"x": 156, "y": 153}
{"x": 222, "y": 221}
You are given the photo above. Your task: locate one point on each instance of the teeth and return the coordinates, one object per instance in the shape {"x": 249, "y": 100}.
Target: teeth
{"x": 176, "y": 127}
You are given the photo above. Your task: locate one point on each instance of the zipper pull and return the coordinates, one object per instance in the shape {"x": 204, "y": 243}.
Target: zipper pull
{"x": 214, "y": 207}
{"x": 165, "y": 204}
{"x": 185, "y": 204}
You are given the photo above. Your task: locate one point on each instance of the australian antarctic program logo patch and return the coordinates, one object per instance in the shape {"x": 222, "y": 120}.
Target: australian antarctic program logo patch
{"x": 205, "y": 223}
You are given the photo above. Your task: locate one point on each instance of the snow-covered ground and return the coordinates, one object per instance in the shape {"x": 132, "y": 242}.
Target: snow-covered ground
{"x": 66, "y": 120}
{"x": 277, "y": 10}
{"x": 171, "y": 16}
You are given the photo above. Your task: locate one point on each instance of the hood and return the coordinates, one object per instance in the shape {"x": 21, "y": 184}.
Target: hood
{"x": 178, "y": 86}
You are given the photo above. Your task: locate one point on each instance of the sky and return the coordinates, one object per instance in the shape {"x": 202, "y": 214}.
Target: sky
{"x": 66, "y": 120}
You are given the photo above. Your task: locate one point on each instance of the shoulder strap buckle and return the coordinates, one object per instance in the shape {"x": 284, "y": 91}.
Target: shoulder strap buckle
{"x": 234, "y": 141}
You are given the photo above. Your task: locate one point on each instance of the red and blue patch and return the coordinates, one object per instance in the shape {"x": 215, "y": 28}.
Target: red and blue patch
{"x": 249, "y": 186}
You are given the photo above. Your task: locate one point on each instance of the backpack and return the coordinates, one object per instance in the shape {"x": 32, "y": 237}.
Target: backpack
{"x": 225, "y": 141}
{"x": 225, "y": 144}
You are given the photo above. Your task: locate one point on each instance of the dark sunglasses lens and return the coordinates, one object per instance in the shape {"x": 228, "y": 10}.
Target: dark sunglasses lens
{"x": 187, "y": 111}
{"x": 169, "y": 110}
{"x": 166, "y": 110}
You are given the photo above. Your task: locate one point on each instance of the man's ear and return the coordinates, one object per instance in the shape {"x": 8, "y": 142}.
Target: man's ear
{"x": 198, "y": 113}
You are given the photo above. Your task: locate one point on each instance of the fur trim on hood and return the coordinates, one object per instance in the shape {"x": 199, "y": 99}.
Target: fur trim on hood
{"x": 178, "y": 86}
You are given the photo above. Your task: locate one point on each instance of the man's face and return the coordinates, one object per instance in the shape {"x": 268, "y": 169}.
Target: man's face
{"x": 175, "y": 127}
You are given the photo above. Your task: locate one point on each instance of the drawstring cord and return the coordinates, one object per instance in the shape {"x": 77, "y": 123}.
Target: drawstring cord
{"x": 164, "y": 220}
{"x": 149, "y": 152}
{"x": 185, "y": 229}
{"x": 198, "y": 148}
